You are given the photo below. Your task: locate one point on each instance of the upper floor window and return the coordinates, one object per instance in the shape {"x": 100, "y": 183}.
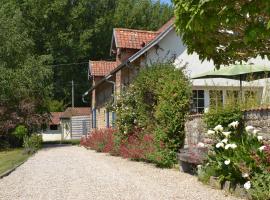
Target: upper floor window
{"x": 197, "y": 101}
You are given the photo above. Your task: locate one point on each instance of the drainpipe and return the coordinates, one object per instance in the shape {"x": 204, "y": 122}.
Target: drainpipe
{"x": 114, "y": 91}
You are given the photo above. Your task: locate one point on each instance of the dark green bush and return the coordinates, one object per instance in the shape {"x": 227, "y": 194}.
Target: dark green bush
{"x": 157, "y": 103}
{"x": 32, "y": 144}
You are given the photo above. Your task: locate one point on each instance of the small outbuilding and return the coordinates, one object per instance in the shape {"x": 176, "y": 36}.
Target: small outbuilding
{"x": 75, "y": 122}
{"x": 53, "y": 131}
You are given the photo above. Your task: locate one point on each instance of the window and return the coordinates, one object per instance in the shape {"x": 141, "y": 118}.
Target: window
{"x": 216, "y": 98}
{"x": 197, "y": 101}
{"x": 53, "y": 127}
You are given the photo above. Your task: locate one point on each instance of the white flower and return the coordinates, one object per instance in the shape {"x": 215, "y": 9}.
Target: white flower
{"x": 260, "y": 138}
{"x": 220, "y": 144}
{"x": 261, "y": 148}
{"x": 245, "y": 175}
{"x": 200, "y": 144}
{"x": 233, "y": 124}
{"x": 227, "y": 162}
{"x": 224, "y": 141}
{"x": 256, "y": 131}
{"x": 218, "y": 128}
{"x": 226, "y": 134}
{"x": 211, "y": 132}
{"x": 247, "y": 185}
{"x": 228, "y": 146}
{"x": 233, "y": 146}
{"x": 249, "y": 129}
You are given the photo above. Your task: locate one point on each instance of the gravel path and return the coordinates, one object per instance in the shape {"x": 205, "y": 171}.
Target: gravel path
{"x": 76, "y": 173}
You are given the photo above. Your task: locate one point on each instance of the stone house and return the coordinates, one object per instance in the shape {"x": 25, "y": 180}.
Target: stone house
{"x": 135, "y": 49}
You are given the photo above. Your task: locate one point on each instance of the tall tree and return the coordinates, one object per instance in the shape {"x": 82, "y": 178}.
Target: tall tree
{"x": 224, "y": 31}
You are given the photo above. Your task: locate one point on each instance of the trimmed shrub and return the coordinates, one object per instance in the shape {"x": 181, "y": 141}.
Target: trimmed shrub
{"x": 32, "y": 143}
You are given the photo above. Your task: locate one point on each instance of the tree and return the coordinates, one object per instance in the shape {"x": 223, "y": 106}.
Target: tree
{"x": 224, "y": 31}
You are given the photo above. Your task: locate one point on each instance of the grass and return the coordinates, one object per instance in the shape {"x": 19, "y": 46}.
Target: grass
{"x": 11, "y": 158}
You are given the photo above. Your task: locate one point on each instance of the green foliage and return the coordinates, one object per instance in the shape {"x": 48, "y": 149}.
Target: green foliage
{"x": 260, "y": 186}
{"x": 223, "y": 116}
{"x": 32, "y": 143}
{"x": 56, "y": 106}
{"x": 15, "y": 139}
{"x": 224, "y": 31}
{"x": 157, "y": 103}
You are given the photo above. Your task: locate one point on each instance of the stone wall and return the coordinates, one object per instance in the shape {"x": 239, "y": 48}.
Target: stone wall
{"x": 196, "y": 130}
{"x": 260, "y": 119}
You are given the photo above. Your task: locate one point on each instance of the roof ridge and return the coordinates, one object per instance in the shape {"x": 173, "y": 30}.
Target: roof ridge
{"x": 136, "y": 30}
{"x": 102, "y": 61}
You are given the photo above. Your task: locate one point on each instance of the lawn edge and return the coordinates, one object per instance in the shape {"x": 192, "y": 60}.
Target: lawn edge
{"x": 6, "y": 173}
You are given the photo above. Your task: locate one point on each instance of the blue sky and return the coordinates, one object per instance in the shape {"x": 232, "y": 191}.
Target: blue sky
{"x": 166, "y": 1}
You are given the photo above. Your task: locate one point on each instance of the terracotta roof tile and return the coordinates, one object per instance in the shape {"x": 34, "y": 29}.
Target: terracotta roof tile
{"x": 76, "y": 111}
{"x": 133, "y": 39}
{"x": 101, "y": 68}
{"x": 166, "y": 25}
{"x": 55, "y": 118}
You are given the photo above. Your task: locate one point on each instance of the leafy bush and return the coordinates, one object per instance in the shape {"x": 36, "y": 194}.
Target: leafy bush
{"x": 32, "y": 143}
{"x": 100, "y": 140}
{"x": 260, "y": 189}
{"x": 237, "y": 156}
{"x": 156, "y": 103}
{"x": 224, "y": 116}
{"x": 15, "y": 139}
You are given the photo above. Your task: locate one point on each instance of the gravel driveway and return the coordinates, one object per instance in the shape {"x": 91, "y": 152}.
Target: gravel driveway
{"x": 73, "y": 173}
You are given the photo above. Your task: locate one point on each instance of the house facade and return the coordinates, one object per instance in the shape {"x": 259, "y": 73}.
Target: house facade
{"x": 135, "y": 49}
{"x": 53, "y": 131}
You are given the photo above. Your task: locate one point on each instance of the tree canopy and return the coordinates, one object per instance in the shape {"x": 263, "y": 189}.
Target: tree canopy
{"x": 39, "y": 40}
{"x": 225, "y": 31}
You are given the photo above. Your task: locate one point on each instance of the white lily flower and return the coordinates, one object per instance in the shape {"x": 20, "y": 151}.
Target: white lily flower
{"x": 200, "y": 144}
{"x": 211, "y": 132}
{"x": 233, "y": 124}
{"x": 260, "y": 138}
{"x": 256, "y": 131}
{"x": 226, "y": 134}
{"x": 247, "y": 185}
{"x": 249, "y": 129}
{"x": 227, "y": 162}
{"x": 228, "y": 146}
{"x": 261, "y": 148}
{"x": 225, "y": 140}
{"x": 245, "y": 175}
{"x": 218, "y": 128}
{"x": 233, "y": 146}
{"x": 220, "y": 144}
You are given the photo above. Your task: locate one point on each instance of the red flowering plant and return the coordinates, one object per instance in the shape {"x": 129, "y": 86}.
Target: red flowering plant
{"x": 101, "y": 140}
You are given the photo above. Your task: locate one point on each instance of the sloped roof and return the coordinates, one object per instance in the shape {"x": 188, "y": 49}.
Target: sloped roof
{"x": 101, "y": 68}
{"x": 55, "y": 118}
{"x": 132, "y": 39}
{"x": 76, "y": 111}
{"x": 166, "y": 25}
